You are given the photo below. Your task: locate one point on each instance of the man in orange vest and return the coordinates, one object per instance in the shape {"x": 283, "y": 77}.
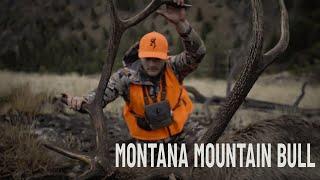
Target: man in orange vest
{"x": 157, "y": 105}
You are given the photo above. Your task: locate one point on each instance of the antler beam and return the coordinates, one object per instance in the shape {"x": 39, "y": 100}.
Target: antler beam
{"x": 243, "y": 85}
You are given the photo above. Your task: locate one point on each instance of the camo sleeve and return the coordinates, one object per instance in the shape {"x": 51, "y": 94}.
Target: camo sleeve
{"x": 187, "y": 61}
{"x": 118, "y": 85}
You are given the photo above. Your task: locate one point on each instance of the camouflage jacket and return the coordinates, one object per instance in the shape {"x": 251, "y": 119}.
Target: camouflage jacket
{"x": 182, "y": 65}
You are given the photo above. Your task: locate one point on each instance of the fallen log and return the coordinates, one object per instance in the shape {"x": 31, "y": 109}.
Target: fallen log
{"x": 250, "y": 103}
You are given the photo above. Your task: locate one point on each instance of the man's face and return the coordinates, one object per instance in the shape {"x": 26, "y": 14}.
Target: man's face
{"x": 152, "y": 66}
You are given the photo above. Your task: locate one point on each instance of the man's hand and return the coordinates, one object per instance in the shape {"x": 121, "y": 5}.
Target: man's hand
{"x": 174, "y": 15}
{"x": 74, "y": 102}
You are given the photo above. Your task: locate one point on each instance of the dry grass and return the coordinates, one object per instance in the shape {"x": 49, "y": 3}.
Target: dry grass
{"x": 71, "y": 83}
{"x": 268, "y": 88}
{"x": 22, "y": 99}
{"x": 49, "y": 85}
{"x": 20, "y": 153}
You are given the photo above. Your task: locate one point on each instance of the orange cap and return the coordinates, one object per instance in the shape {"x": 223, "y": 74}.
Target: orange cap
{"x": 153, "y": 45}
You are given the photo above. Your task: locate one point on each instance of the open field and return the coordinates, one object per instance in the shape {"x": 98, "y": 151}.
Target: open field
{"x": 281, "y": 88}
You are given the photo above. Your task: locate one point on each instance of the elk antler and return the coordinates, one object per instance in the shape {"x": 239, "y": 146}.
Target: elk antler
{"x": 245, "y": 82}
{"x": 99, "y": 163}
{"x": 255, "y": 64}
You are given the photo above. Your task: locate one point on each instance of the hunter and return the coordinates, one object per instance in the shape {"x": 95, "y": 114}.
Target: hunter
{"x": 157, "y": 105}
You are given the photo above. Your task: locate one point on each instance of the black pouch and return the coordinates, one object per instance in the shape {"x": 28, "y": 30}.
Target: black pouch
{"x": 158, "y": 114}
{"x": 143, "y": 124}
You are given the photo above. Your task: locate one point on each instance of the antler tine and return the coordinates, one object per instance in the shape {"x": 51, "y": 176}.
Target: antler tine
{"x": 244, "y": 83}
{"x": 153, "y": 5}
{"x": 283, "y": 42}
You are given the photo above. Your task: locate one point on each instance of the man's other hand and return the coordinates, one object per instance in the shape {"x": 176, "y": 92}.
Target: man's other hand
{"x": 172, "y": 14}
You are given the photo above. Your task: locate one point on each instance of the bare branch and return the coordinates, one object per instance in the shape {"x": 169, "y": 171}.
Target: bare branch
{"x": 300, "y": 97}
{"x": 270, "y": 56}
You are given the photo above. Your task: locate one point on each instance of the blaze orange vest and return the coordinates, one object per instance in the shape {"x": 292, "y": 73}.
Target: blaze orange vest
{"x": 180, "y": 103}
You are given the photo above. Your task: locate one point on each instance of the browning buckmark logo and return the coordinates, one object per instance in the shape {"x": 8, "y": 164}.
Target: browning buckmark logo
{"x": 153, "y": 42}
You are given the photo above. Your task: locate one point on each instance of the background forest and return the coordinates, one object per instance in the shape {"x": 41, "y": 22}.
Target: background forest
{"x": 60, "y": 36}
